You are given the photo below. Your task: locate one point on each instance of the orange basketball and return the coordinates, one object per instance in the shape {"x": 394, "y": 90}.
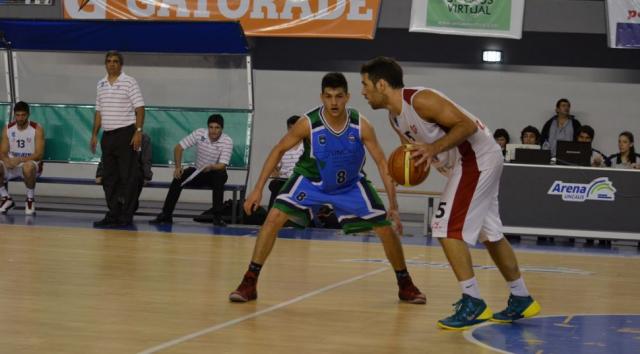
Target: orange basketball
{"x": 403, "y": 170}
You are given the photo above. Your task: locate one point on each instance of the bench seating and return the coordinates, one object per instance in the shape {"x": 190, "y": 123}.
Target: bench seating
{"x": 238, "y": 190}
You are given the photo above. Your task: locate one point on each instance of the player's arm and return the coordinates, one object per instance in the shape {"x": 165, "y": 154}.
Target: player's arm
{"x": 297, "y": 133}
{"x": 4, "y": 147}
{"x": 38, "y": 153}
{"x": 403, "y": 139}
{"x": 434, "y": 108}
{"x": 368, "y": 136}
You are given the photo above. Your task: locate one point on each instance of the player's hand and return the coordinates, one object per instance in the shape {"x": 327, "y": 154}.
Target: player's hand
{"x": 98, "y": 180}
{"x": 394, "y": 216}
{"x": 177, "y": 173}
{"x": 136, "y": 141}
{"x": 422, "y": 153}
{"x": 252, "y": 202}
{"x": 93, "y": 143}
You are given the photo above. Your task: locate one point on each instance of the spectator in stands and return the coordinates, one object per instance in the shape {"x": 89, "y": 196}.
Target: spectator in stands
{"x": 21, "y": 154}
{"x": 627, "y": 157}
{"x": 120, "y": 114}
{"x": 585, "y": 135}
{"x": 144, "y": 161}
{"x": 213, "y": 153}
{"x": 598, "y": 159}
{"x": 502, "y": 138}
{"x": 562, "y": 126}
{"x": 530, "y": 135}
{"x": 284, "y": 169}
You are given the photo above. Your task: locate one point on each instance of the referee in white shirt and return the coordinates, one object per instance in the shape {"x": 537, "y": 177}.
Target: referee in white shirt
{"x": 213, "y": 153}
{"x": 120, "y": 113}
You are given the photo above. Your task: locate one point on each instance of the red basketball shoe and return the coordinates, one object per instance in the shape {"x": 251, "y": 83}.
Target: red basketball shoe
{"x": 409, "y": 292}
{"x": 246, "y": 291}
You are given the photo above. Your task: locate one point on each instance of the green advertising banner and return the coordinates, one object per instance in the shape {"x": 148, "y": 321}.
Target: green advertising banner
{"x": 68, "y": 131}
{"x": 491, "y": 18}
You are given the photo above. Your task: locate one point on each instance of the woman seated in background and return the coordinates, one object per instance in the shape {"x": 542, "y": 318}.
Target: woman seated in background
{"x": 627, "y": 157}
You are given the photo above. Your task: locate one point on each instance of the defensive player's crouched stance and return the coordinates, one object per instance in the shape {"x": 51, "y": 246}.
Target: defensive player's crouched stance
{"x": 329, "y": 172}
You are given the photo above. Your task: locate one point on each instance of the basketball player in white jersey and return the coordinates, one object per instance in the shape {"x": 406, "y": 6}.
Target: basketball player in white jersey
{"x": 468, "y": 210}
{"x": 21, "y": 155}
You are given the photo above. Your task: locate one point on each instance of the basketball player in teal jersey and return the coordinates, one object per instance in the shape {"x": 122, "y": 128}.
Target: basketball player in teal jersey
{"x": 329, "y": 172}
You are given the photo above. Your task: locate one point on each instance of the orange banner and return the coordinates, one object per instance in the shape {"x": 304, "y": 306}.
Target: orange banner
{"x": 272, "y": 18}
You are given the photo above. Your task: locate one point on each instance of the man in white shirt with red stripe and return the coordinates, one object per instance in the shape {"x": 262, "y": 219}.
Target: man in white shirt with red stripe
{"x": 468, "y": 211}
{"x": 120, "y": 113}
{"x": 213, "y": 154}
{"x": 21, "y": 155}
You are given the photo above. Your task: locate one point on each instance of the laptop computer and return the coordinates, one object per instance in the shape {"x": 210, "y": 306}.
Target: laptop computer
{"x": 573, "y": 153}
{"x": 511, "y": 150}
{"x": 533, "y": 157}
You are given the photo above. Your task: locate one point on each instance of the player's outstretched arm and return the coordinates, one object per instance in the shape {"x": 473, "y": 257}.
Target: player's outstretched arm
{"x": 434, "y": 108}
{"x": 298, "y": 132}
{"x": 368, "y": 136}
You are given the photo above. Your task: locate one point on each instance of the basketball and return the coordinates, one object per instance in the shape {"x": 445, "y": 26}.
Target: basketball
{"x": 403, "y": 170}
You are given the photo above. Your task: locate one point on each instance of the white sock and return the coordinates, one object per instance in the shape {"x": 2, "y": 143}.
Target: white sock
{"x": 30, "y": 193}
{"x": 4, "y": 192}
{"x": 470, "y": 287}
{"x": 518, "y": 288}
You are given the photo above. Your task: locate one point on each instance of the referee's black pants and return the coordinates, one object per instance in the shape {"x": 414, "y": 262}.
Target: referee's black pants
{"x": 122, "y": 173}
{"x": 213, "y": 179}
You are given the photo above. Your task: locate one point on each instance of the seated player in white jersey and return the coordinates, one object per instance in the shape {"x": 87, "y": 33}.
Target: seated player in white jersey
{"x": 21, "y": 156}
{"x": 468, "y": 211}
{"x": 329, "y": 172}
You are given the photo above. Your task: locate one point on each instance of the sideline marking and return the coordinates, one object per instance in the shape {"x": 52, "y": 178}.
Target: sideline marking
{"x": 256, "y": 314}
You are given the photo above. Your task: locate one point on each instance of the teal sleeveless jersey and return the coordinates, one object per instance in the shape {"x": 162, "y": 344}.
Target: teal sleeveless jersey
{"x": 332, "y": 160}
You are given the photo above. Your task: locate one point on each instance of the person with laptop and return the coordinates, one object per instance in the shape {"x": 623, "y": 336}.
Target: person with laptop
{"x": 561, "y": 127}
{"x": 598, "y": 159}
{"x": 529, "y": 150}
{"x": 530, "y": 135}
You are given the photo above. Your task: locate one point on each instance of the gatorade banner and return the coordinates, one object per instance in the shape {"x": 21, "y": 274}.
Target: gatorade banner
{"x": 623, "y": 23}
{"x": 486, "y": 18}
{"x": 272, "y": 18}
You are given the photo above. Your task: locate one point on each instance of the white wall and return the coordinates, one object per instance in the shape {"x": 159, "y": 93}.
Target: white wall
{"x": 607, "y": 99}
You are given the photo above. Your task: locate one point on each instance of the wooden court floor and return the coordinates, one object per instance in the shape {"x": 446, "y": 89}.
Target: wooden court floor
{"x": 71, "y": 290}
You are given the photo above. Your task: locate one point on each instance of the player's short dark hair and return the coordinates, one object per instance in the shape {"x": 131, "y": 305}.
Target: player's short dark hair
{"x": 114, "y": 53}
{"x": 21, "y": 107}
{"x": 383, "y": 68}
{"x": 335, "y": 80}
{"x": 292, "y": 120}
{"x": 216, "y": 118}
{"x": 530, "y": 129}
{"x": 587, "y": 130}
{"x": 501, "y": 133}
{"x": 561, "y": 101}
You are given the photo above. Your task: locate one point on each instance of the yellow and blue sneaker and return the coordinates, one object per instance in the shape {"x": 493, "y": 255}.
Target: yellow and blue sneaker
{"x": 469, "y": 311}
{"x": 518, "y": 307}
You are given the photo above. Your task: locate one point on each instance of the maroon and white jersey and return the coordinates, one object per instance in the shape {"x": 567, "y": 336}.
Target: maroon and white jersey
{"x": 479, "y": 149}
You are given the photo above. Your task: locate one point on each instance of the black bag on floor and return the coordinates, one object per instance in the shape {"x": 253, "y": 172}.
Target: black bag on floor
{"x": 256, "y": 218}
